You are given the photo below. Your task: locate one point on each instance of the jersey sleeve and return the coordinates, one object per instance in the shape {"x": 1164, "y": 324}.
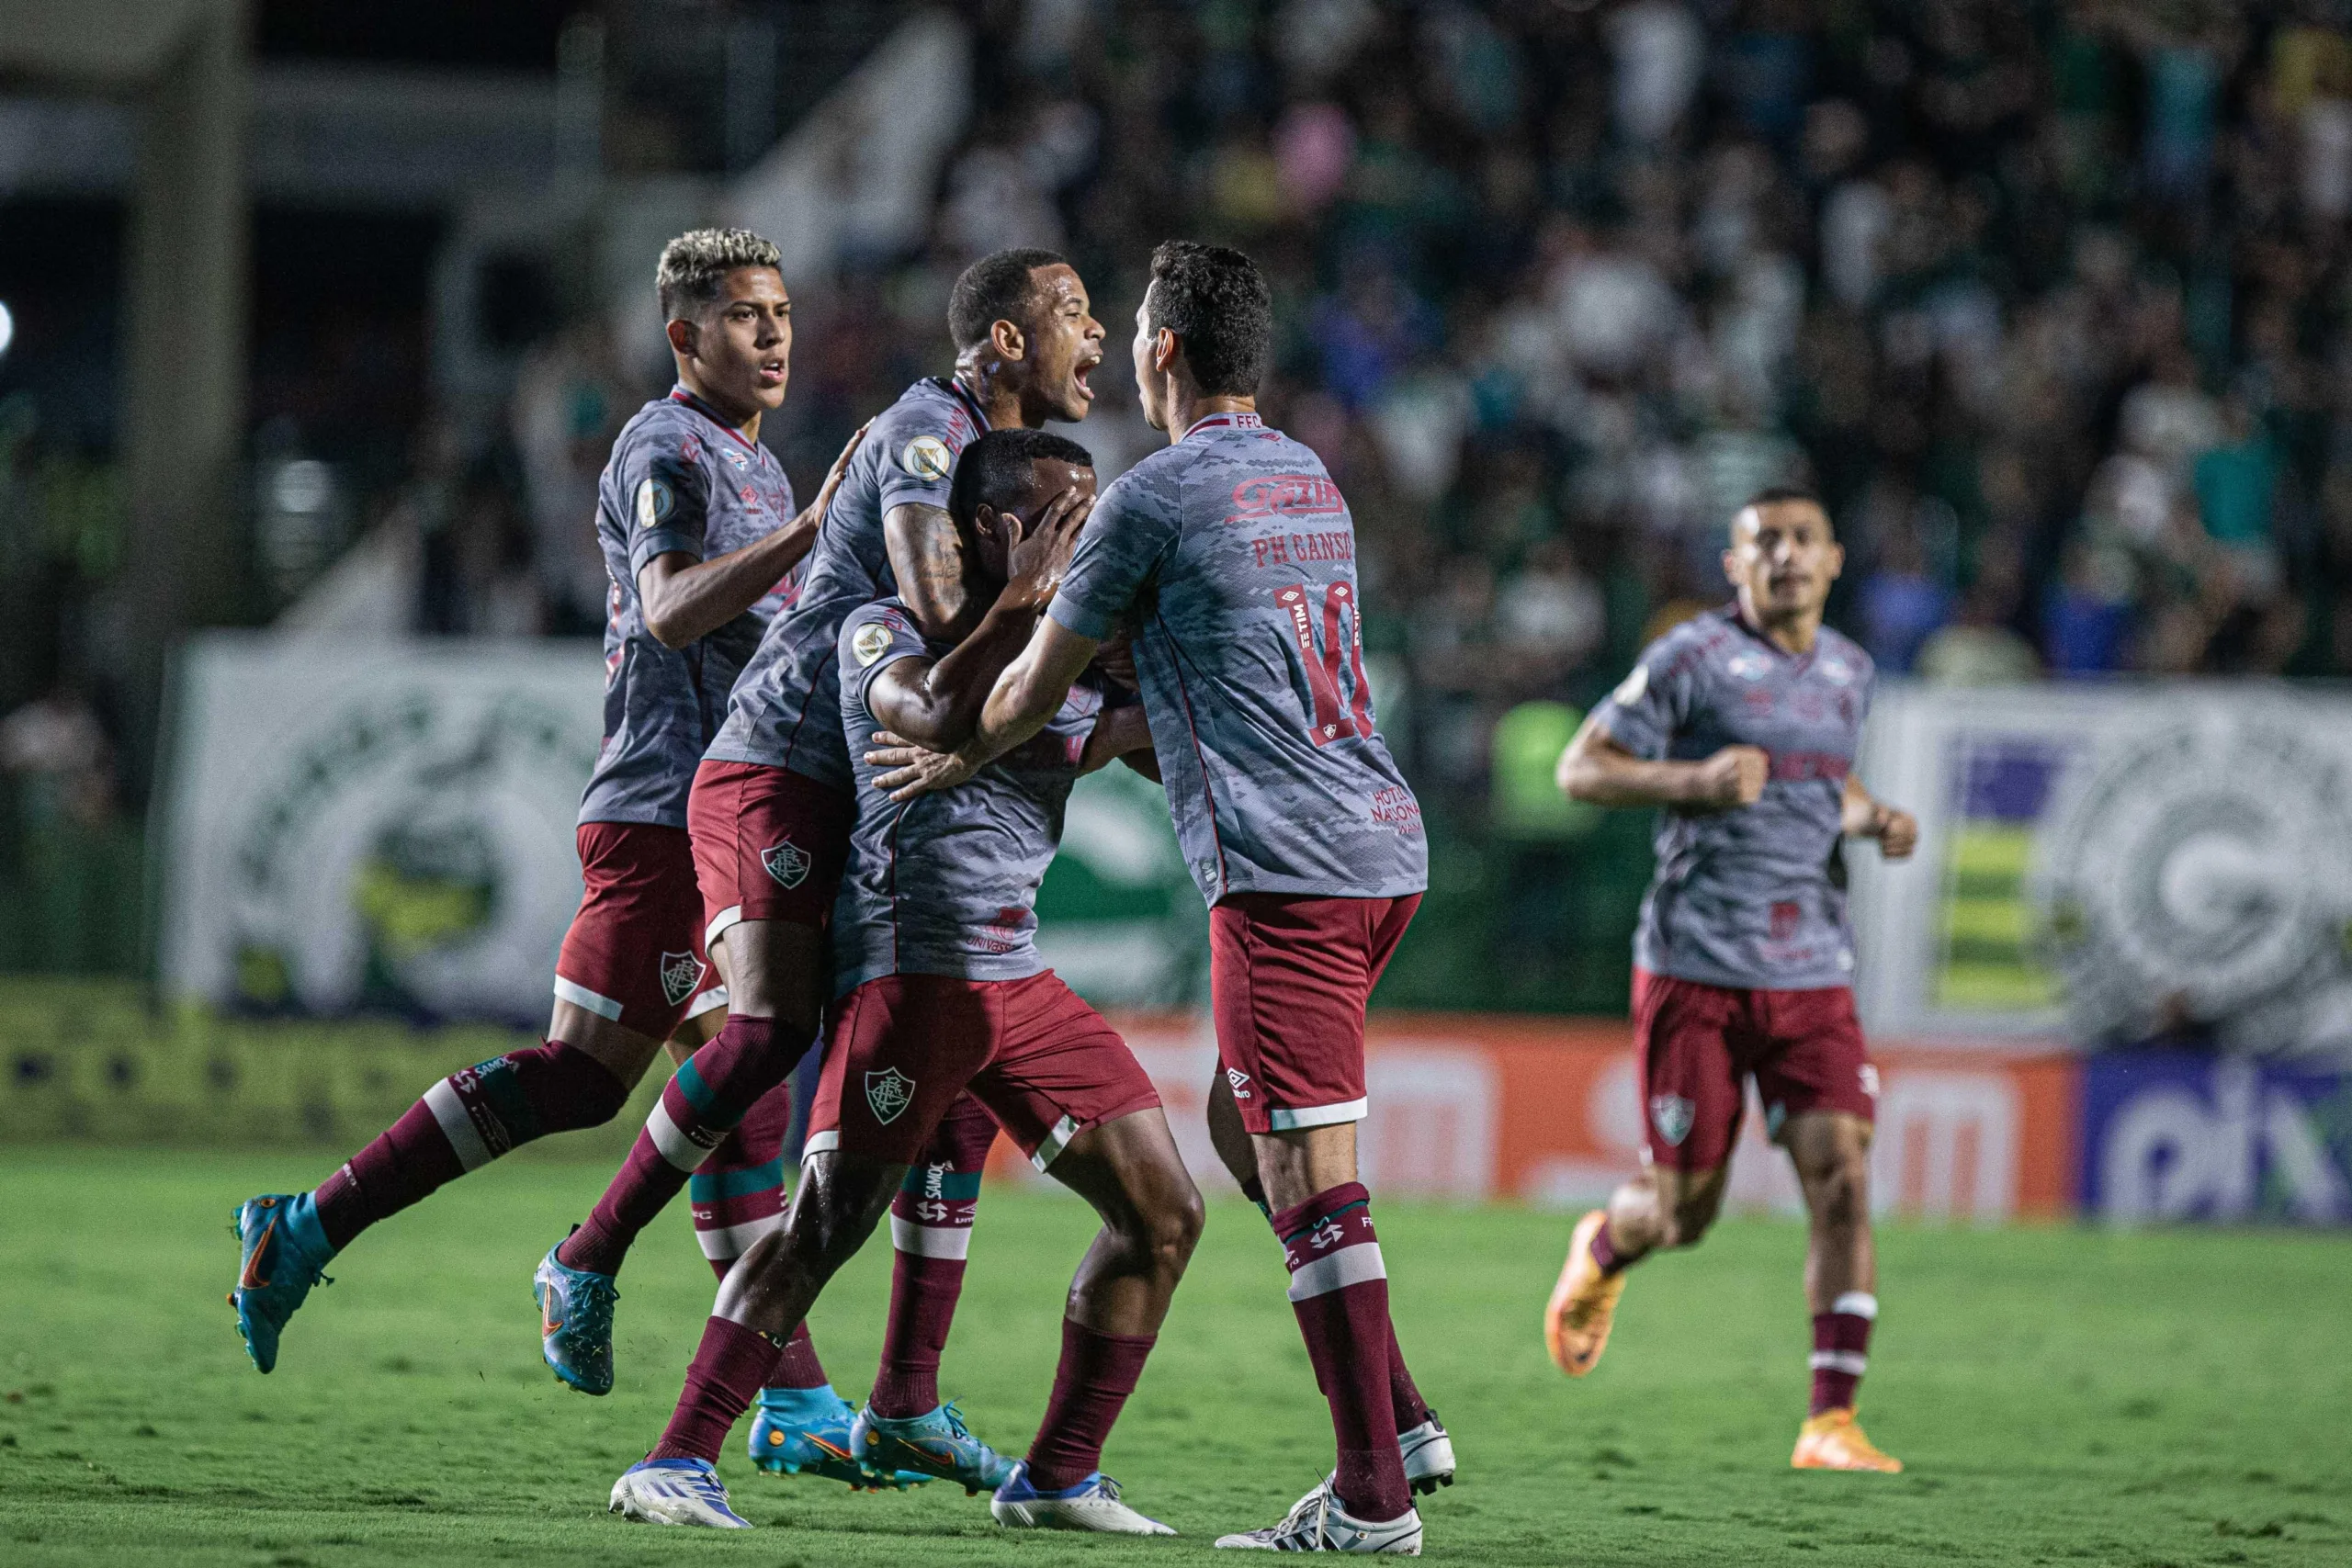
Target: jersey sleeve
{"x": 873, "y": 639}
{"x": 916, "y": 464}
{"x": 1132, "y": 532}
{"x": 1653, "y": 702}
{"x": 668, "y": 493}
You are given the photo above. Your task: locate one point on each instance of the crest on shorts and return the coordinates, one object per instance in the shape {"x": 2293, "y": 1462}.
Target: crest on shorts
{"x": 889, "y": 1093}
{"x": 1671, "y": 1115}
{"x": 787, "y": 863}
{"x": 681, "y": 973}
{"x": 926, "y": 458}
{"x": 872, "y": 641}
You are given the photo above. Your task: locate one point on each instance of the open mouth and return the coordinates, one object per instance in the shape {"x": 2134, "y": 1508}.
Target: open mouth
{"x": 1079, "y": 376}
{"x": 772, "y": 372}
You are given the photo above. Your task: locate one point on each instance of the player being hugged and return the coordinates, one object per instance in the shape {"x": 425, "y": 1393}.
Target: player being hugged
{"x": 771, "y": 810}
{"x": 940, "y": 990}
{"x": 1742, "y": 726}
{"x": 1231, "y": 555}
{"x": 700, "y": 537}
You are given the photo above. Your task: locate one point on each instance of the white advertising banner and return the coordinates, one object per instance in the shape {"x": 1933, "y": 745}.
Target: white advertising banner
{"x": 2113, "y": 864}
{"x": 382, "y": 827}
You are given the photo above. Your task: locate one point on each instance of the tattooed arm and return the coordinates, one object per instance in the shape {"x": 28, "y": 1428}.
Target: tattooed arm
{"x": 927, "y": 558}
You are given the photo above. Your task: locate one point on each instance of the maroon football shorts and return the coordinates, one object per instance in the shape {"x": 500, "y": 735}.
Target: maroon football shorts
{"x": 899, "y": 1049}
{"x": 635, "y": 951}
{"x": 1697, "y": 1042}
{"x": 769, "y": 845}
{"x": 1288, "y": 979}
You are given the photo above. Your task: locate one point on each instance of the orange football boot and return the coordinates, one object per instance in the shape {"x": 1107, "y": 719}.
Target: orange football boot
{"x": 1835, "y": 1441}
{"x": 1576, "y": 1322}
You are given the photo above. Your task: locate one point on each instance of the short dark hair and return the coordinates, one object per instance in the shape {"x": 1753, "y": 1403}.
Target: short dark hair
{"x": 994, "y": 470}
{"x": 1782, "y": 495}
{"x": 1216, "y": 300}
{"x": 693, "y": 264}
{"x": 996, "y": 288}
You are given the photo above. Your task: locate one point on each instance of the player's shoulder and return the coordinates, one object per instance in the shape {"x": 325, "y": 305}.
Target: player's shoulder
{"x": 1155, "y": 483}
{"x": 870, "y": 630}
{"x": 924, "y": 429}
{"x": 1688, "y": 644}
{"x": 663, "y": 428}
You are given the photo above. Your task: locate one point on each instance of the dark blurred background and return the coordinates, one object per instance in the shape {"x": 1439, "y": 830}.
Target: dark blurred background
{"x": 325, "y": 317}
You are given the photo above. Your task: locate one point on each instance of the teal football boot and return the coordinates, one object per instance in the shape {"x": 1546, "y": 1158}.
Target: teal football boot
{"x": 808, "y": 1431}
{"x": 575, "y": 1322}
{"x": 935, "y": 1443}
{"x": 282, "y": 1251}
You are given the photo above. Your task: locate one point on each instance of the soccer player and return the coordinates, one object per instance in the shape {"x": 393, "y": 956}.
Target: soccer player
{"x": 1741, "y": 726}
{"x": 1232, "y": 554}
{"x": 771, "y": 812}
{"x": 699, "y": 534}
{"x": 941, "y": 989}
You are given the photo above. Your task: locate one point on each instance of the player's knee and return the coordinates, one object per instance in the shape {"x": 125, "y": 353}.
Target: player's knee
{"x": 563, "y": 1090}
{"x": 1687, "y": 1221}
{"x": 1841, "y": 1188}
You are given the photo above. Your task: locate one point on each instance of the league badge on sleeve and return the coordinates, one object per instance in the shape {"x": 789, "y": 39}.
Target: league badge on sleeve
{"x": 889, "y": 1093}
{"x": 653, "y": 503}
{"x": 1630, "y": 690}
{"x": 873, "y": 640}
{"x": 927, "y": 457}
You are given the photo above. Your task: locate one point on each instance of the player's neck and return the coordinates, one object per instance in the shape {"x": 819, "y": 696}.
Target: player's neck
{"x": 1186, "y": 410}
{"x": 747, "y": 425}
{"x": 1790, "y": 633}
{"x": 998, "y": 403}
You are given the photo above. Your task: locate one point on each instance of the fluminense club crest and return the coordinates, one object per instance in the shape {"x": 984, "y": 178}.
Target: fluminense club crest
{"x": 787, "y": 863}
{"x": 1671, "y": 1115}
{"x": 889, "y": 1093}
{"x": 681, "y": 973}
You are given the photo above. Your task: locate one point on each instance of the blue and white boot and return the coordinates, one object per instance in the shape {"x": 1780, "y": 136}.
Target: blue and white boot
{"x": 1092, "y": 1505}
{"x": 675, "y": 1492}
{"x": 575, "y": 1323}
{"x": 1427, "y": 1453}
{"x": 281, "y": 1249}
{"x": 935, "y": 1443}
{"x": 809, "y": 1431}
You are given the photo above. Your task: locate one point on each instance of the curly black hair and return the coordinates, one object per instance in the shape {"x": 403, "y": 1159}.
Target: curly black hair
{"x": 1216, "y": 300}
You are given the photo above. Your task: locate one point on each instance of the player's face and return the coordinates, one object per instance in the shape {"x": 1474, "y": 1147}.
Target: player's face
{"x": 1047, "y": 480}
{"x": 1065, "y": 342}
{"x": 1155, "y": 413}
{"x": 743, "y": 344}
{"x": 1782, "y": 559}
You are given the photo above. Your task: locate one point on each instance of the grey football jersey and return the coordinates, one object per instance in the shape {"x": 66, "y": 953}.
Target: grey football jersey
{"x": 1232, "y": 554}
{"x": 946, "y": 883}
{"x": 680, "y": 479}
{"x": 1745, "y": 898}
{"x": 787, "y": 707}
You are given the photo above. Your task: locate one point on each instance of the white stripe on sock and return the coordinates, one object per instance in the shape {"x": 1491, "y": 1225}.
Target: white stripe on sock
{"x": 675, "y": 1146}
{"x": 1858, "y": 1303}
{"x": 1852, "y": 1362}
{"x": 730, "y": 1242}
{"x": 457, "y": 1126}
{"x": 1318, "y": 1115}
{"x": 1050, "y": 1148}
{"x": 931, "y": 1241}
{"x": 1349, "y": 1266}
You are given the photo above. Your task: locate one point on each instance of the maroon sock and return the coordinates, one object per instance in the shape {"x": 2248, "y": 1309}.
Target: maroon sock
{"x": 1097, "y": 1372}
{"x": 462, "y": 1124}
{"x": 700, "y": 1105}
{"x": 930, "y": 1231}
{"x": 737, "y": 1195}
{"x": 1604, "y": 1251}
{"x": 1841, "y": 1344}
{"x": 730, "y": 1366}
{"x": 1338, "y": 1289}
{"x": 1405, "y": 1402}
{"x": 799, "y": 1366}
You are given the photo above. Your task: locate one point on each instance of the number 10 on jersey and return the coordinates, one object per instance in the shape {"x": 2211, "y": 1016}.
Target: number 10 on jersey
{"x": 1342, "y": 628}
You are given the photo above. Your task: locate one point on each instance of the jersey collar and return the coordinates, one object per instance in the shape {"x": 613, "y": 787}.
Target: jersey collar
{"x": 1739, "y": 622}
{"x": 971, "y": 404}
{"x": 678, "y": 394}
{"x": 1239, "y": 419}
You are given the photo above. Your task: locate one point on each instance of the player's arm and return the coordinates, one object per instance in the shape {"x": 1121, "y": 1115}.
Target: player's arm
{"x": 927, "y": 559}
{"x": 1862, "y": 816}
{"x": 937, "y": 704}
{"x": 1596, "y": 769}
{"x": 1120, "y": 732}
{"x": 685, "y": 598}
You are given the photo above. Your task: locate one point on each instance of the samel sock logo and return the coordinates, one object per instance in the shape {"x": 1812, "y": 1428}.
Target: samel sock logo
{"x": 681, "y": 973}
{"x": 889, "y": 1093}
{"x": 1671, "y": 1115}
{"x": 787, "y": 863}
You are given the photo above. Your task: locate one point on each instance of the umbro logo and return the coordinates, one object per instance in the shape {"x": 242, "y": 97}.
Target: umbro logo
{"x": 1240, "y": 1082}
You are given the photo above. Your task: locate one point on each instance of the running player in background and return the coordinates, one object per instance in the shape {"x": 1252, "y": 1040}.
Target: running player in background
{"x": 772, "y": 806}
{"x": 1233, "y": 553}
{"x": 939, "y": 985}
{"x": 1742, "y": 726}
{"x": 699, "y": 534}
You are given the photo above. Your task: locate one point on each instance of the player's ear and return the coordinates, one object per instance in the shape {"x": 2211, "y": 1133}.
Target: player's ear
{"x": 1164, "y": 349}
{"x": 680, "y": 334}
{"x": 1731, "y": 568}
{"x": 1008, "y": 339}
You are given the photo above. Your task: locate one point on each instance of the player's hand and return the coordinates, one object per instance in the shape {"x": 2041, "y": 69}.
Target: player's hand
{"x": 1116, "y": 657}
{"x": 1897, "y": 833}
{"x": 910, "y": 770}
{"x": 1035, "y": 557}
{"x": 1732, "y": 776}
{"x": 814, "y": 512}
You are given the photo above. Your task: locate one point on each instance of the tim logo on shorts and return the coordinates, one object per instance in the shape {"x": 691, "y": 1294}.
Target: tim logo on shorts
{"x": 1671, "y": 1115}
{"x": 889, "y": 1093}
{"x": 681, "y": 973}
{"x": 787, "y": 863}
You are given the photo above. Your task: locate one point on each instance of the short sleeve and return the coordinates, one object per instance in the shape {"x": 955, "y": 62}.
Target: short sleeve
{"x": 667, "y": 492}
{"x": 1652, "y": 702}
{"x": 1131, "y": 533}
{"x": 873, "y": 639}
{"x": 916, "y": 465}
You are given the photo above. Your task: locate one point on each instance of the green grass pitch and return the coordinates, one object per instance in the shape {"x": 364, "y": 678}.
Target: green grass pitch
{"x": 2062, "y": 1395}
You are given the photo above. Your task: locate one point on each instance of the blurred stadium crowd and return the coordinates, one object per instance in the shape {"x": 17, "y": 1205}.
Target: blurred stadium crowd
{"x": 2047, "y": 297}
